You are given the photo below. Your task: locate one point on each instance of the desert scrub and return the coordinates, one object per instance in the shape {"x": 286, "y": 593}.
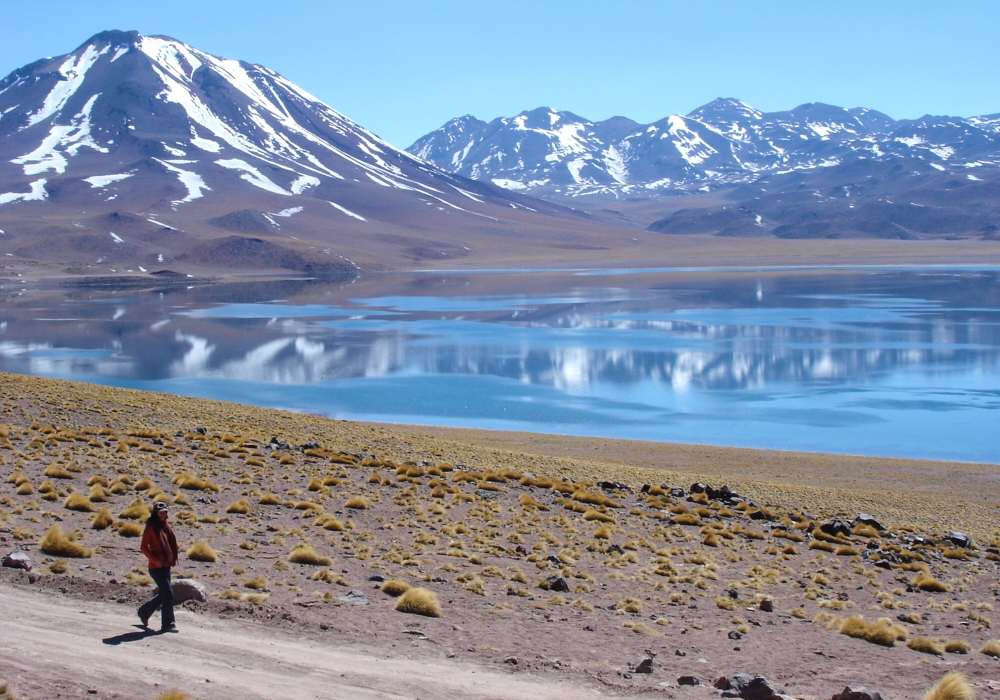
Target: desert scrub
{"x": 418, "y": 601}
{"x": 56, "y": 543}
{"x": 303, "y": 553}
{"x": 202, "y": 551}
{"x": 395, "y": 587}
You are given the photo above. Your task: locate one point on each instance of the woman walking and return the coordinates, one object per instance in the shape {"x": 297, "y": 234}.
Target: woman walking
{"x": 160, "y": 547}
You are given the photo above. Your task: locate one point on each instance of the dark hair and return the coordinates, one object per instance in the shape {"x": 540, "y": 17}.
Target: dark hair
{"x": 154, "y": 516}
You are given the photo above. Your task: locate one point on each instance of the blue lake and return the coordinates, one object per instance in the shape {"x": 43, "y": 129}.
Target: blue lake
{"x": 872, "y": 361}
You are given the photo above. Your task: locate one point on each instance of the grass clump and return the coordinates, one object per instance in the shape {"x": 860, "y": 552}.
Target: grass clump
{"x": 102, "y": 520}
{"x": 130, "y": 530}
{"x": 418, "y": 601}
{"x": 358, "y": 503}
{"x": 240, "y": 507}
{"x": 78, "y": 502}
{"x": 926, "y": 582}
{"x": 953, "y": 686}
{"x": 56, "y": 543}
{"x": 925, "y": 645}
{"x": 882, "y": 632}
{"x": 202, "y": 551}
{"x": 992, "y": 648}
{"x": 395, "y": 587}
{"x": 269, "y": 499}
{"x": 303, "y": 553}
{"x": 956, "y": 646}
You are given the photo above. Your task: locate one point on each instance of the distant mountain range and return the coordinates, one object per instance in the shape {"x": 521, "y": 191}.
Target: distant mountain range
{"x": 548, "y": 152}
{"x": 141, "y": 152}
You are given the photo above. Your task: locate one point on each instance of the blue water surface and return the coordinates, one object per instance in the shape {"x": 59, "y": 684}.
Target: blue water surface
{"x": 898, "y": 362}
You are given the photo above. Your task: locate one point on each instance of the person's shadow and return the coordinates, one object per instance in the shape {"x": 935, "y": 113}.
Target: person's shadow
{"x": 130, "y": 636}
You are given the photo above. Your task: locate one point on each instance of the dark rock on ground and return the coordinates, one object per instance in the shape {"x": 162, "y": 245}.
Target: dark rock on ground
{"x": 866, "y": 519}
{"x": 688, "y": 680}
{"x": 856, "y": 692}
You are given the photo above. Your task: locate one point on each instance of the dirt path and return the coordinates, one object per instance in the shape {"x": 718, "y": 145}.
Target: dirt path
{"x": 54, "y": 646}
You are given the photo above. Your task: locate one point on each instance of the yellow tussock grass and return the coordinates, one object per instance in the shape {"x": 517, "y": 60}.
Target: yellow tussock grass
{"x": 304, "y": 554}
{"x": 528, "y": 501}
{"x": 687, "y": 519}
{"x": 175, "y": 695}
{"x": 54, "y": 471}
{"x": 930, "y": 584}
{"x": 925, "y": 645}
{"x": 269, "y": 499}
{"x": 202, "y": 551}
{"x": 882, "y": 631}
{"x": 640, "y": 628}
{"x": 102, "y": 520}
{"x": 56, "y": 543}
{"x": 603, "y": 532}
{"x": 25, "y": 489}
{"x": 130, "y": 529}
{"x": 418, "y": 601}
{"x": 822, "y": 546}
{"x": 256, "y": 583}
{"x": 597, "y": 515}
{"x": 992, "y": 648}
{"x": 845, "y": 551}
{"x": 956, "y": 646}
{"x": 358, "y": 503}
{"x": 952, "y": 686}
{"x": 240, "y": 507}
{"x": 395, "y": 587}
{"x": 78, "y": 502}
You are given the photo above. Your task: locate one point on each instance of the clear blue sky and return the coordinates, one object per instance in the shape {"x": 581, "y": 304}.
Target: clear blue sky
{"x": 402, "y": 68}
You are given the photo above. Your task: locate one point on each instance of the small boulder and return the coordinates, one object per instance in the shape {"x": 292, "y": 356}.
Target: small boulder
{"x": 959, "y": 539}
{"x": 856, "y": 692}
{"x": 677, "y": 492}
{"x": 758, "y": 689}
{"x": 644, "y": 666}
{"x": 836, "y": 527}
{"x": 866, "y": 519}
{"x": 354, "y": 598}
{"x": 17, "y": 560}
{"x": 186, "y": 589}
{"x": 735, "y": 636}
{"x": 698, "y": 488}
{"x": 688, "y": 680}
{"x": 766, "y": 605}
{"x": 558, "y": 584}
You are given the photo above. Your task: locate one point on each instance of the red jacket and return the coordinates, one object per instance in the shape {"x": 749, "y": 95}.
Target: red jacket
{"x": 160, "y": 546}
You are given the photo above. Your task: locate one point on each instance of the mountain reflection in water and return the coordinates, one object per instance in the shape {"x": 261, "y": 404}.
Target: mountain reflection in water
{"x": 730, "y": 359}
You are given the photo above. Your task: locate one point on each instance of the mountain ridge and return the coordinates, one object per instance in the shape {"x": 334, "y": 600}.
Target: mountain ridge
{"x": 179, "y": 139}
{"x": 723, "y": 143}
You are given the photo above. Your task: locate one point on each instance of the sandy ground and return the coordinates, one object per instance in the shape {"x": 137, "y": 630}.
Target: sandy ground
{"x": 53, "y": 646}
{"x": 483, "y": 521}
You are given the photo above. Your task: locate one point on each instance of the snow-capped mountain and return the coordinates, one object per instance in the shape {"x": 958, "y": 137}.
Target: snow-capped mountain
{"x": 549, "y": 152}
{"x": 172, "y": 139}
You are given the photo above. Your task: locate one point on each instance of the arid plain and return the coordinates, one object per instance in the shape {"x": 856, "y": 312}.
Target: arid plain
{"x": 542, "y": 566}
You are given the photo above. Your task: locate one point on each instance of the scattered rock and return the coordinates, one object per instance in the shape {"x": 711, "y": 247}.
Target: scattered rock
{"x": 377, "y": 578}
{"x": 698, "y": 488}
{"x": 17, "y": 560}
{"x": 677, "y": 492}
{"x": 613, "y": 486}
{"x": 866, "y": 519}
{"x": 836, "y": 527}
{"x": 959, "y": 539}
{"x": 558, "y": 584}
{"x": 512, "y": 660}
{"x": 644, "y": 666}
{"x": 758, "y": 689}
{"x": 354, "y": 598}
{"x": 186, "y": 589}
{"x": 734, "y": 635}
{"x": 688, "y": 680}
{"x": 856, "y": 692}
{"x": 766, "y": 605}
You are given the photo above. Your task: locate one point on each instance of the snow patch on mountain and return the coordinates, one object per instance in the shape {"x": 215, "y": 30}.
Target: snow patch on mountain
{"x": 36, "y": 194}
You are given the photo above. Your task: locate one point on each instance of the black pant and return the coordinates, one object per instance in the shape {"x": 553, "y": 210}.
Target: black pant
{"x": 163, "y": 599}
